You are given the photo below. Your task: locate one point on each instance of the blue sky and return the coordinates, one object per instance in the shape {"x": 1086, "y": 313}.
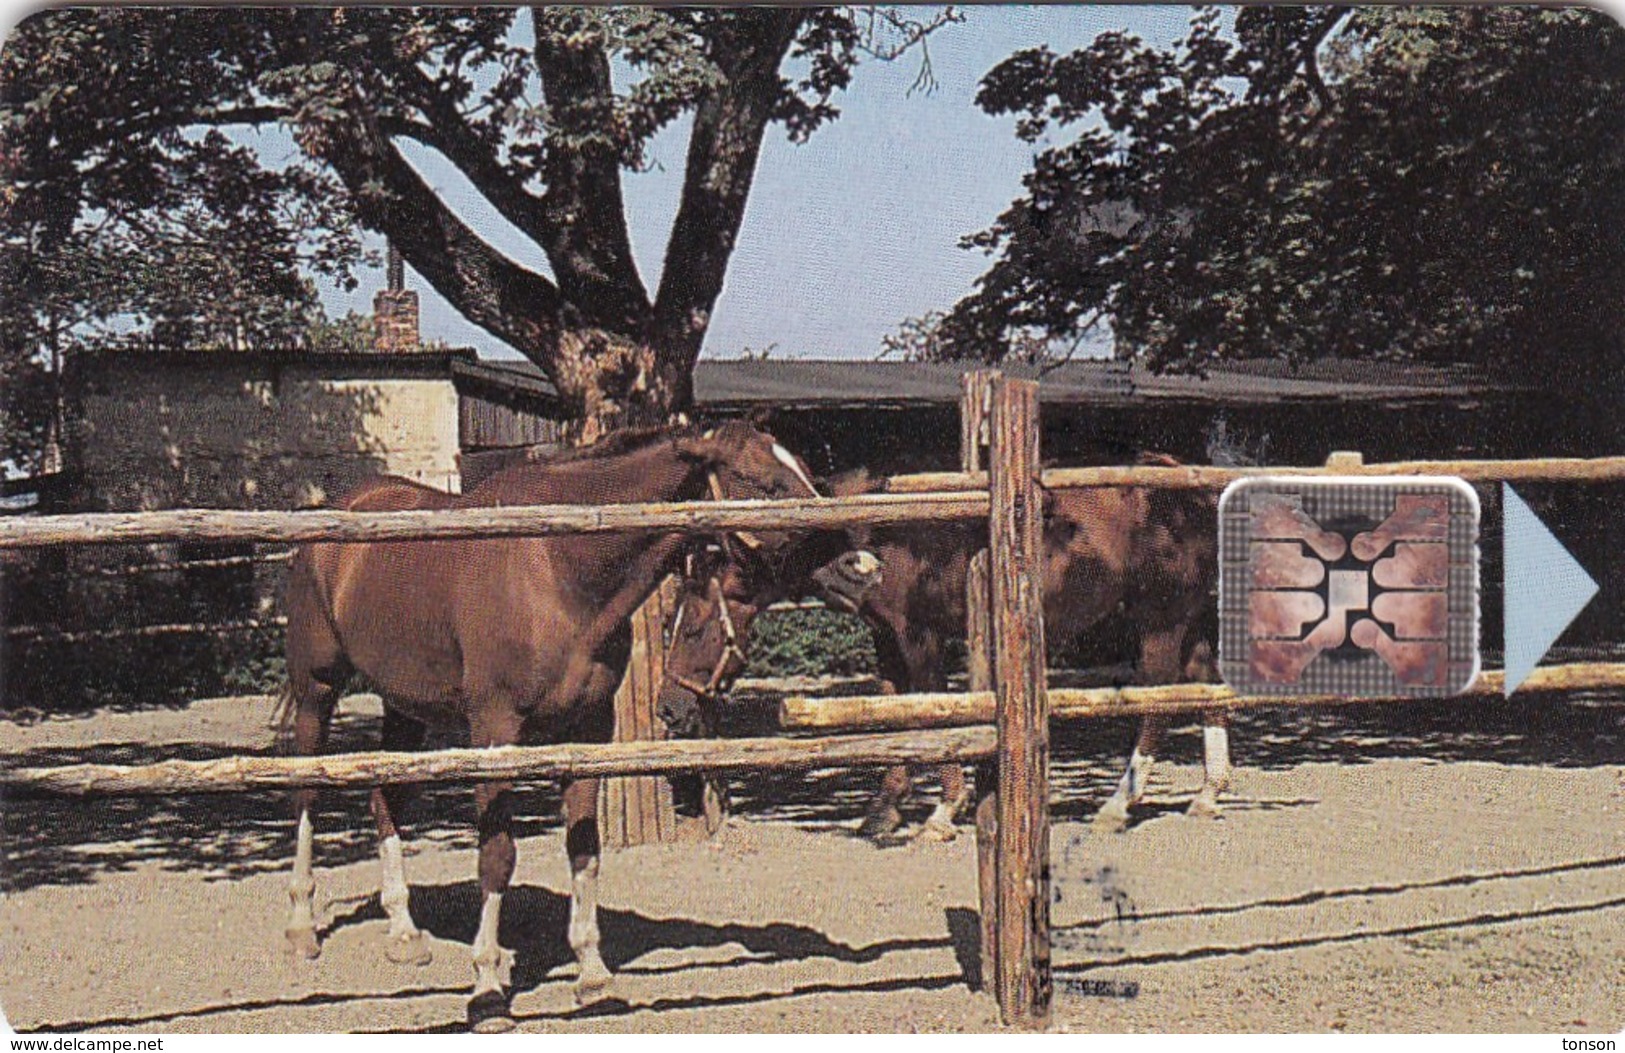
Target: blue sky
{"x": 857, "y": 229}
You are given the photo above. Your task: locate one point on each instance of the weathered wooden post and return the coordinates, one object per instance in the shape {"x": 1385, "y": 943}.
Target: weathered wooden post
{"x": 637, "y": 809}
{"x": 1015, "y": 576}
{"x": 975, "y": 399}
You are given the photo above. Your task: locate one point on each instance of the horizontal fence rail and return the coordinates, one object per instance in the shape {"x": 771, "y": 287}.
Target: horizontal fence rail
{"x": 949, "y": 709}
{"x": 921, "y": 496}
{"x": 130, "y": 570}
{"x": 52, "y": 635}
{"x": 1205, "y": 477}
{"x": 233, "y": 774}
{"x": 107, "y": 528}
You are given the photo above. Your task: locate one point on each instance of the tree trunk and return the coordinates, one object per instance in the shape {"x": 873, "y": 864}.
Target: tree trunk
{"x": 610, "y": 381}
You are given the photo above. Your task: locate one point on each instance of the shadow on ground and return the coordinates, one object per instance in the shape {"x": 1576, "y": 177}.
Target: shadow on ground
{"x": 227, "y": 836}
{"x": 534, "y": 925}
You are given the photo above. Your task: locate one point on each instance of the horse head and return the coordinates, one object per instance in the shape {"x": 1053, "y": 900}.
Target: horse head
{"x": 729, "y": 582}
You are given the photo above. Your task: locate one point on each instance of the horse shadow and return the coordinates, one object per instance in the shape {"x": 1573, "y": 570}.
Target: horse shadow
{"x": 535, "y": 920}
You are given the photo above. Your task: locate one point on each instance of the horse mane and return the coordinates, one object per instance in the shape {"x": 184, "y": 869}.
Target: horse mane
{"x": 618, "y": 442}
{"x": 506, "y": 483}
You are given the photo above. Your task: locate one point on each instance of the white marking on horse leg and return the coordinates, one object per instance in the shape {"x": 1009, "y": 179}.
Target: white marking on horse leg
{"x": 1215, "y": 765}
{"x": 486, "y": 952}
{"x": 940, "y": 826}
{"x": 393, "y": 894}
{"x": 301, "y": 931}
{"x": 1136, "y": 777}
{"x": 594, "y": 976}
{"x": 406, "y": 944}
{"x": 1216, "y": 752}
{"x": 788, "y": 459}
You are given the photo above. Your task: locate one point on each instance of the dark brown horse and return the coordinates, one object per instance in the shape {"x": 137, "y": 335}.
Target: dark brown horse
{"x": 1146, "y": 555}
{"x": 520, "y": 640}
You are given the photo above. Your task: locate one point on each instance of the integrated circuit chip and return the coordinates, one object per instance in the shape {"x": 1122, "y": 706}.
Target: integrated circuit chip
{"x": 1364, "y": 587}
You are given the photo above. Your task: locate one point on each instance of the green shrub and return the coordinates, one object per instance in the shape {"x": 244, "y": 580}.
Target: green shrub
{"x": 809, "y": 643}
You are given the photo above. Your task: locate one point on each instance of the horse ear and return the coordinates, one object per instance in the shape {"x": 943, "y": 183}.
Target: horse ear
{"x": 701, "y": 449}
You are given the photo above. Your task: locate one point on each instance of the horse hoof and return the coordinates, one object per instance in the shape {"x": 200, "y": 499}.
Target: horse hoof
{"x": 302, "y": 943}
{"x": 1111, "y": 820}
{"x": 411, "y": 949}
{"x": 1204, "y": 808}
{"x": 882, "y": 823}
{"x": 938, "y": 830}
{"x": 488, "y": 1013}
{"x": 592, "y": 989}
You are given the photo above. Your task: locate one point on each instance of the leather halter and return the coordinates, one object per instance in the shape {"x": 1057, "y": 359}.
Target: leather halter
{"x": 731, "y": 648}
{"x": 707, "y": 691}
{"x": 749, "y": 540}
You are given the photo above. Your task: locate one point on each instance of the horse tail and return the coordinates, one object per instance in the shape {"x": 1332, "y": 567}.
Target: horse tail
{"x": 282, "y": 717}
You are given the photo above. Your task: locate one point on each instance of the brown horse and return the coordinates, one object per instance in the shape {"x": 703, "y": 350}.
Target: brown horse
{"x": 1149, "y": 555}
{"x": 520, "y": 640}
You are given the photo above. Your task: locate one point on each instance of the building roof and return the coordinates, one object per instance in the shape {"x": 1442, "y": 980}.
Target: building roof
{"x": 794, "y": 383}
{"x": 147, "y": 356}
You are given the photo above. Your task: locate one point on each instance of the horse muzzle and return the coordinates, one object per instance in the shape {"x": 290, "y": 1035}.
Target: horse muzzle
{"x": 679, "y": 709}
{"x": 846, "y": 581}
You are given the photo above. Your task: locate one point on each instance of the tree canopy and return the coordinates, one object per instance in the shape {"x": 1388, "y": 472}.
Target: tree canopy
{"x": 113, "y": 116}
{"x": 1439, "y": 184}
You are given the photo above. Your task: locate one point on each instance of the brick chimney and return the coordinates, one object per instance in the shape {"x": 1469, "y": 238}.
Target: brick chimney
{"x": 395, "y": 311}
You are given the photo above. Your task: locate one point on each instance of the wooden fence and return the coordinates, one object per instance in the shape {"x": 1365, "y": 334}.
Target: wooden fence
{"x": 1016, "y": 883}
{"x": 1005, "y": 654}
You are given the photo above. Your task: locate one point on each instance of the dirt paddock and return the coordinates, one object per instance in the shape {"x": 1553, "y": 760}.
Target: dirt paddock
{"x": 1375, "y": 871}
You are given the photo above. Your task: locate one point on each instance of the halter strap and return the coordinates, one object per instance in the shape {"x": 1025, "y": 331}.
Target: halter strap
{"x": 750, "y": 541}
{"x": 730, "y": 646}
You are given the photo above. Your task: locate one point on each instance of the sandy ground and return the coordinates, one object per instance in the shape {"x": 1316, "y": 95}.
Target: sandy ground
{"x": 1372, "y": 873}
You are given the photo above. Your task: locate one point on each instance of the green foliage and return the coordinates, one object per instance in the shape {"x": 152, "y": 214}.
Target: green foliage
{"x": 353, "y": 333}
{"x": 116, "y": 167}
{"x": 809, "y": 643}
{"x": 1430, "y": 183}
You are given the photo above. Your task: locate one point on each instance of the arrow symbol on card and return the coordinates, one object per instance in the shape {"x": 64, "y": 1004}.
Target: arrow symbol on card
{"x": 1545, "y": 588}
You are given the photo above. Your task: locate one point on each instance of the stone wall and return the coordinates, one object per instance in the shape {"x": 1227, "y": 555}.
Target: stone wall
{"x": 227, "y": 430}
{"x": 193, "y": 430}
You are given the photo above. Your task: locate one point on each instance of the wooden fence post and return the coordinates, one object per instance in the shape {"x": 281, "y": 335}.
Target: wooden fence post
{"x": 637, "y": 809}
{"x": 1016, "y": 588}
{"x": 975, "y": 397}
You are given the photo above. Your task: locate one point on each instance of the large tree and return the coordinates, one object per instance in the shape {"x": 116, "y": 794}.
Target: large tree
{"x": 1440, "y": 183}
{"x": 114, "y": 114}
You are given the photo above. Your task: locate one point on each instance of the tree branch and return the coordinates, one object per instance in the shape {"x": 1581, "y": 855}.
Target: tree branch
{"x": 458, "y": 143}
{"x": 586, "y": 239}
{"x": 729, "y": 124}
{"x": 510, "y": 302}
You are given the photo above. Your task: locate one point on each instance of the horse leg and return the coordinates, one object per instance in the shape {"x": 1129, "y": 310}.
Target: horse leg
{"x": 1160, "y": 663}
{"x": 312, "y": 703}
{"x": 925, "y": 665}
{"x": 885, "y": 812}
{"x": 407, "y": 945}
{"x": 1113, "y": 815}
{"x": 1215, "y": 764}
{"x": 955, "y": 798}
{"x": 581, "y": 843}
{"x": 491, "y": 724}
{"x": 1201, "y": 668}
{"x": 488, "y": 1005}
